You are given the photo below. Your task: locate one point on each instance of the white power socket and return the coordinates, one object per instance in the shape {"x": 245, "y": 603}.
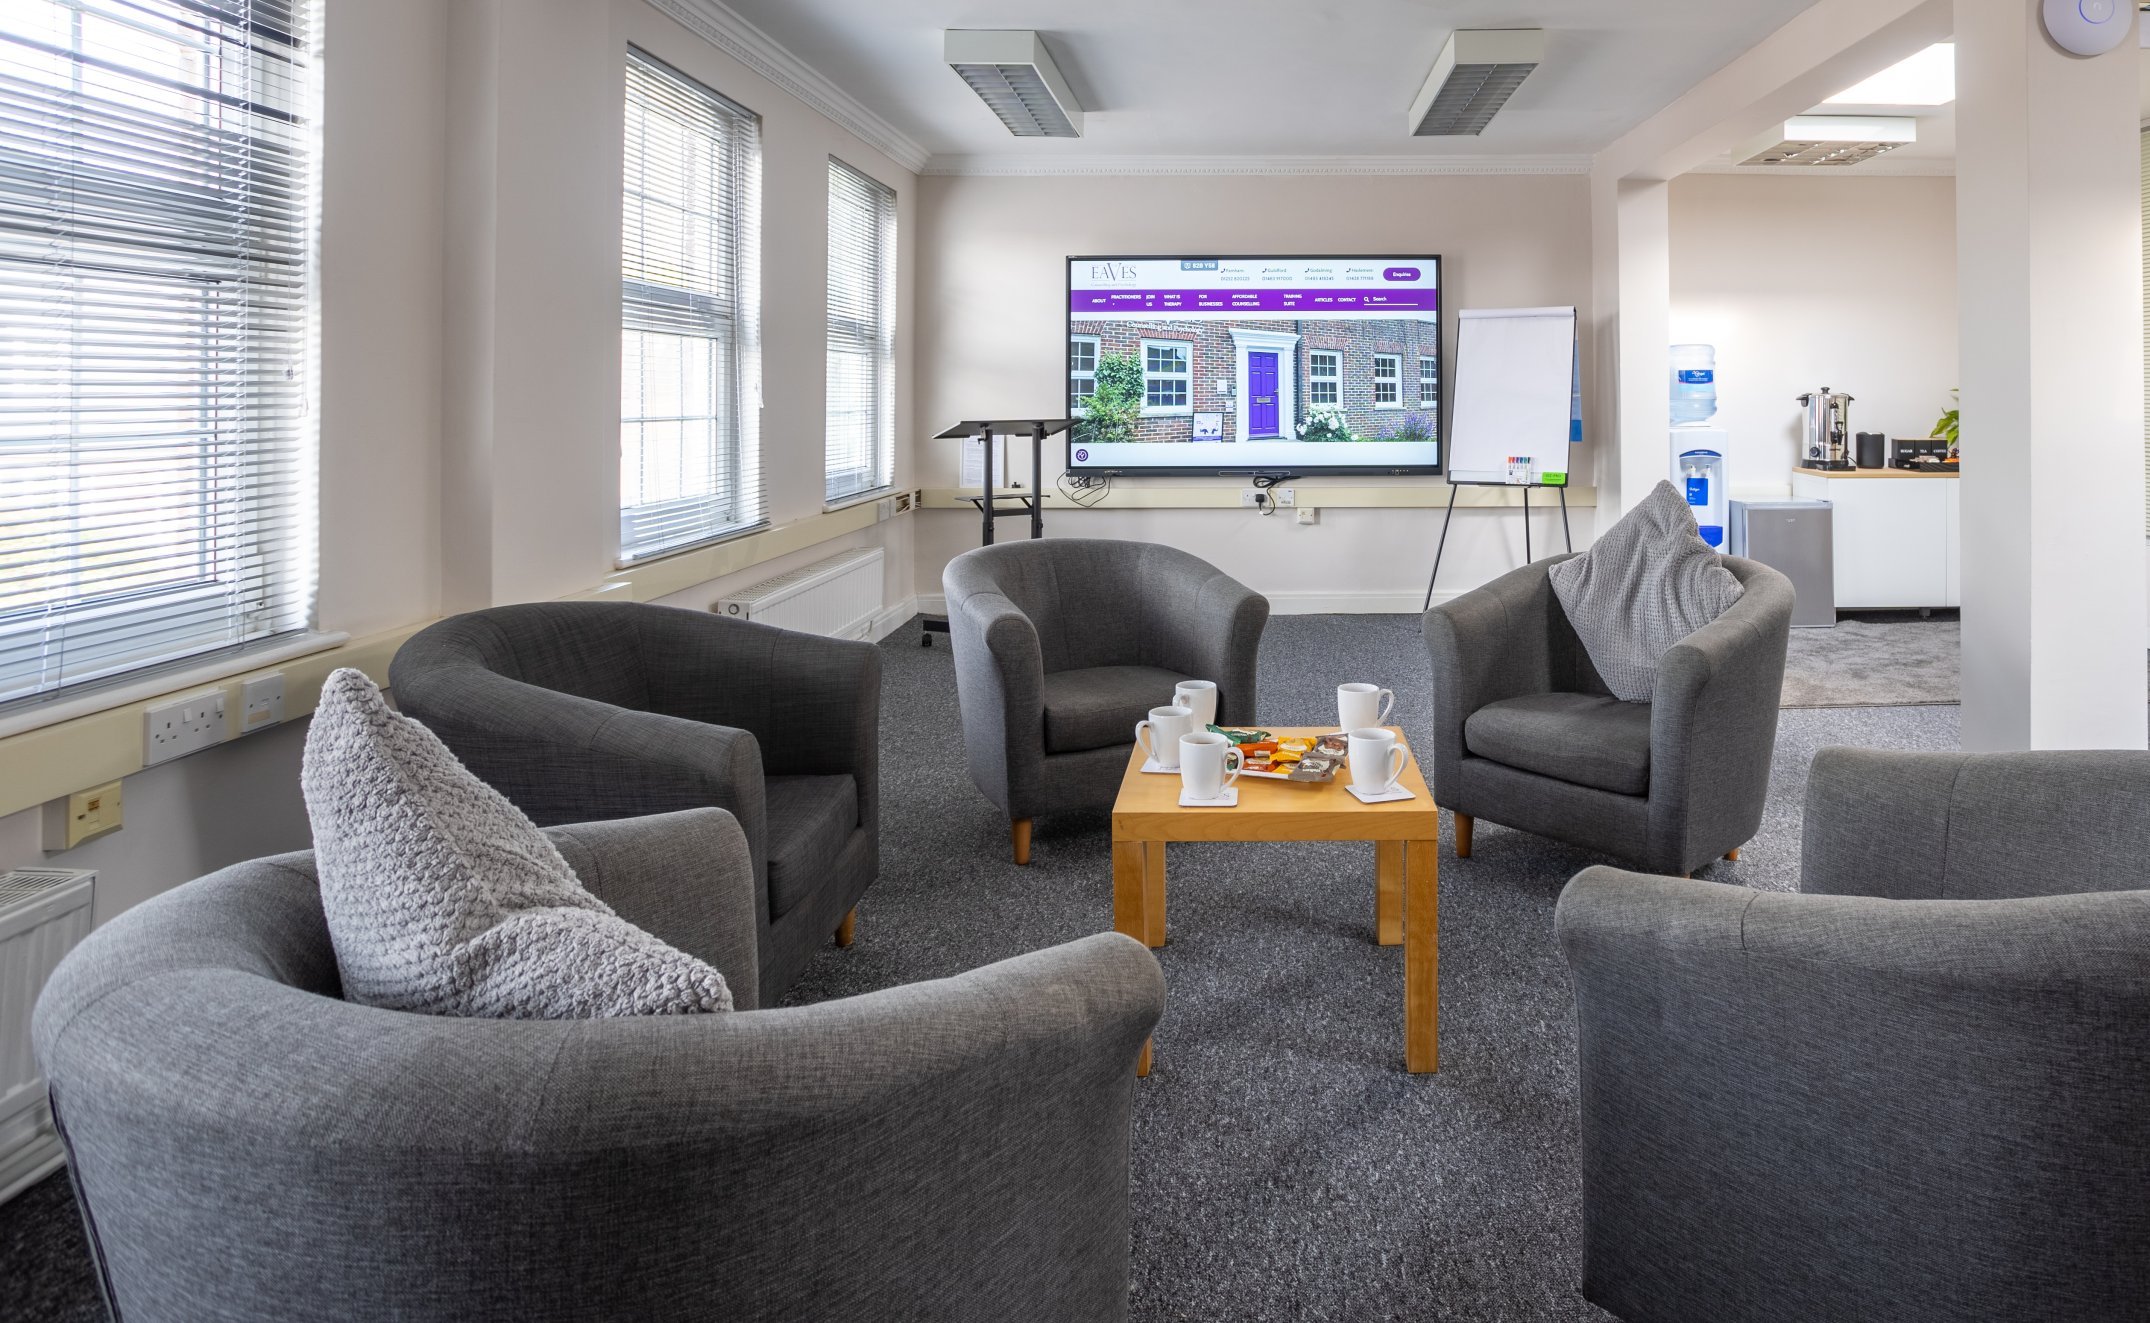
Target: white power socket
{"x": 261, "y": 702}
{"x": 1250, "y": 498}
{"x": 1284, "y": 496}
{"x": 182, "y": 726}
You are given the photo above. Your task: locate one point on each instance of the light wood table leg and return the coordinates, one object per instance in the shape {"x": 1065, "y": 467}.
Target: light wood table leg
{"x": 1153, "y": 892}
{"x": 1129, "y": 894}
{"x": 1132, "y": 888}
{"x": 1422, "y": 958}
{"x": 1388, "y": 892}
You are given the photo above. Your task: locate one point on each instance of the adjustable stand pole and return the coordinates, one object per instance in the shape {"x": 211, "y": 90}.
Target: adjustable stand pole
{"x": 1037, "y": 480}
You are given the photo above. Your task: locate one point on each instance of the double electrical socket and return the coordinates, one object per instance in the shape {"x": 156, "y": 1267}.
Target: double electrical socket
{"x": 183, "y": 726}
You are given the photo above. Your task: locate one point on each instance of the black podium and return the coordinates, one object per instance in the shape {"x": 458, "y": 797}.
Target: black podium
{"x": 992, "y": 506}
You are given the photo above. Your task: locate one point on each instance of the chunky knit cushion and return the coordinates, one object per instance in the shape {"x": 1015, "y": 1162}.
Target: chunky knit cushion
{"x": 1649, "y": 582}
{"x": 442, "y": 897}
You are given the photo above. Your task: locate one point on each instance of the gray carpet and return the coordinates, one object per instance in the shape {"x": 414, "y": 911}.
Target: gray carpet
{"x": 1875, "y": 660}
{"x": 1284, "y": 1165}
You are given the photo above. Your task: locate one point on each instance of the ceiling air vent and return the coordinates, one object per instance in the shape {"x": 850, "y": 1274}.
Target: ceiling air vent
{"x": 1473, "y": 79}
{"x": 1013, "y": 75}
{"x": 1829, "y": 140}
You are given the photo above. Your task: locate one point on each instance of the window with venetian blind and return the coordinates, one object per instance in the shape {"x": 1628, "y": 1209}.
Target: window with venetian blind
{"x": 158, "y": 165}
{"x": 861, "y": 435}
{"x": 690, "y": 370}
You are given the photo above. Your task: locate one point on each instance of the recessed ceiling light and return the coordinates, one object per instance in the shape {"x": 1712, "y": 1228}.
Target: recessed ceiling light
{"x": 1017, "y": 80}
{"x": 1829, "y": 140}
{"x": 1925, "y": 79}
{"x": 1473, "y": 78}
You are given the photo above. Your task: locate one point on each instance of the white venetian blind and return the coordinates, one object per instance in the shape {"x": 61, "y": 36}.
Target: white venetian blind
{"x": 690, "y": 370}
{"x": 157, "y": 172}
{"x": 862, "y": 333}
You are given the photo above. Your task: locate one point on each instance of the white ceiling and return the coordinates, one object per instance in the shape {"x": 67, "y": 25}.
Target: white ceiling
{"x": 1267, "y": 78}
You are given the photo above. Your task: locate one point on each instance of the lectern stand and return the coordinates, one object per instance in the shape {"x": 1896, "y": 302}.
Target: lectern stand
{"x": 992, "y": 505}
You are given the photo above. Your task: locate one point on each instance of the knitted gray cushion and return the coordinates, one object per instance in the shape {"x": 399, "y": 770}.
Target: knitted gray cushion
{"x": 1649, "y": 582}
{"x": 442, "y": 897}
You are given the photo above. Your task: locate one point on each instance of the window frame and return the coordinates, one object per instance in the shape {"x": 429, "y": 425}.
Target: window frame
{"x": 1428, "y": 363}
{"x": 729, "y": 325}
{"x": 1333, "y": 381}
{"x": 1097, "y": 351}
{"x": 196, "y": 318}
{"x": 1185, "y": 377}
{"x": 880, "y": 474}
{"x": 1394, "y": 381}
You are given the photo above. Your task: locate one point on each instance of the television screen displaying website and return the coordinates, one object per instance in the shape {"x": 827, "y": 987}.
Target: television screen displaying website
{"x": 1254, "y": 364}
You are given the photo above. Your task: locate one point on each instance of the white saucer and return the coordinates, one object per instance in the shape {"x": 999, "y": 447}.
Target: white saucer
{"x": 1152, "y": 765}
{"x": 1390, "y": 796}
{"x": 1228, "y": 799}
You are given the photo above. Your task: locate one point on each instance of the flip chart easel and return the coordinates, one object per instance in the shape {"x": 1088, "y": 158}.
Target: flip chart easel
{"x": 1518, "y": 410}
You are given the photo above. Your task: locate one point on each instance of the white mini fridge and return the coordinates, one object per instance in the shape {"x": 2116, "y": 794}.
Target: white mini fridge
{"x": 1795, "y": 539}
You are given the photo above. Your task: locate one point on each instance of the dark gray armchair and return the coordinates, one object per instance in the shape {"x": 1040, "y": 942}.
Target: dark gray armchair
{"x": 247, "y": 1146}
{"x": 1062, "y": 645}
{"x": 1914, "y": 1091}
{"x": 1525, "y": 733}
{"x": 585, "y": 710}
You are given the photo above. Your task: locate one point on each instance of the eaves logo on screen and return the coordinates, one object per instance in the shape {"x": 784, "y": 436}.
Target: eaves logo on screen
{"x": 1400, "y": 273}
{"x": 1107, "y": 272}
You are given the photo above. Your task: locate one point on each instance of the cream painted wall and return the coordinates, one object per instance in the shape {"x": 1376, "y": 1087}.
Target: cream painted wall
{"x": 991, "y": 325}
{"x": 1802, "y": 283}
{"x": 470, "y": 358}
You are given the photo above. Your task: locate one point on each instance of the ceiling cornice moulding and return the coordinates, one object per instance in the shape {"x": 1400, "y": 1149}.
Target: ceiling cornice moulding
{"x": 716, "y": 24}
{"x": 1039, "y": 166}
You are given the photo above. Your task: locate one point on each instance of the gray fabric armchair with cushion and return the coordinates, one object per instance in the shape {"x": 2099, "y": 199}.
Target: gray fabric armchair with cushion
{"x": 586, "y": 710}
{"x": 1526, "y": 734}
{"x": 245, "y": 1145}
{"x": 1914, "y": 1091}
{"x": 1063, "y": 644}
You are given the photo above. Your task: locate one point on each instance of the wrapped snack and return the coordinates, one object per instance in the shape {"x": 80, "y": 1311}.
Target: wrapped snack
{"x": 1238, "y": 736}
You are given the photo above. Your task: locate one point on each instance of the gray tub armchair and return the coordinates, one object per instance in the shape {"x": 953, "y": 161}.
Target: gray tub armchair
{"x": 1914, "y": 1091}
{"x": 586, "y": 710}
{"x": 1063, "y": 644}
{"x": 245, "y": 1145}
{"x": 1526, "y": 734}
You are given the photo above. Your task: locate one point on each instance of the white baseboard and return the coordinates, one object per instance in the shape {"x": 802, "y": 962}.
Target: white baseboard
{"x": 891, "y": 618}
{"x": 1397, "y": 602}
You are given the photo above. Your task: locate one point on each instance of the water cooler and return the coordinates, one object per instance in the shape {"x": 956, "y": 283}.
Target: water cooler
{"x": 1698, "y": 471}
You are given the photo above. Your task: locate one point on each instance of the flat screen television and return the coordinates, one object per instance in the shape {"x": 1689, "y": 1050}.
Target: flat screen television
{"x": 1300, "y": 365}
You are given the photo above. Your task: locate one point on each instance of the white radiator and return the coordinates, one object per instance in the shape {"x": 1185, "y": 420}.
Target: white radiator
{"x": 43, "y": 913}
{"x": 837, "y": 597}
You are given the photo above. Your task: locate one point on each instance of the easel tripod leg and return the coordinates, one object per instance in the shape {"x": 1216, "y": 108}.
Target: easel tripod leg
{"x": 1441, "y": 546}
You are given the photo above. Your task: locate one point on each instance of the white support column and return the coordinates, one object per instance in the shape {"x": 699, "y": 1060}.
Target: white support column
{"x": 2050, "y": 303}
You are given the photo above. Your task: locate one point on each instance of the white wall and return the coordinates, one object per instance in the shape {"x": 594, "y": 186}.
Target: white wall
{"x": 992, "y": 327}
{"x": 1807, "y": 282}
{"x": 470, "y": 357}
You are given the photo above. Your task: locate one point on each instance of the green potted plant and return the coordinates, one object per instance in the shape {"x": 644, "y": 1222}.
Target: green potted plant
{"x": 1945, "y": 426}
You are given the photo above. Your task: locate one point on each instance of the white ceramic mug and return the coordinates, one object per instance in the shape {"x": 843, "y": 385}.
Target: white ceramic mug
{"x": 1200, "y": 698}
{"x": 1361, "y": 705}
{"x": 1159, "y": 737}
{"x": 1208, "y": 763}
{"x": 1376, "y": 759}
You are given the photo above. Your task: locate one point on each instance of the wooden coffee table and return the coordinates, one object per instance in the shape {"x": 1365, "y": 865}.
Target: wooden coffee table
{"x": 1405, "y": 833}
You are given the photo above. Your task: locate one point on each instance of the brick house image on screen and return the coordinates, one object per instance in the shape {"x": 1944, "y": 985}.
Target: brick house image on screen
{"x": 1264, "y": 376}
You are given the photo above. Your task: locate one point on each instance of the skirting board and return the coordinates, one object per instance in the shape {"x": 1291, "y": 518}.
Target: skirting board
{"x": 1395, "y": 603}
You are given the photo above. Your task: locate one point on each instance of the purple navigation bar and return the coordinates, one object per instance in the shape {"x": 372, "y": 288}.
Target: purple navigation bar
{"x": 1254, "y": 300}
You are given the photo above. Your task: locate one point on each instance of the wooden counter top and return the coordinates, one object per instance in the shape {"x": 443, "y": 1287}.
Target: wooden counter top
{"x": 1874, "y": 473}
